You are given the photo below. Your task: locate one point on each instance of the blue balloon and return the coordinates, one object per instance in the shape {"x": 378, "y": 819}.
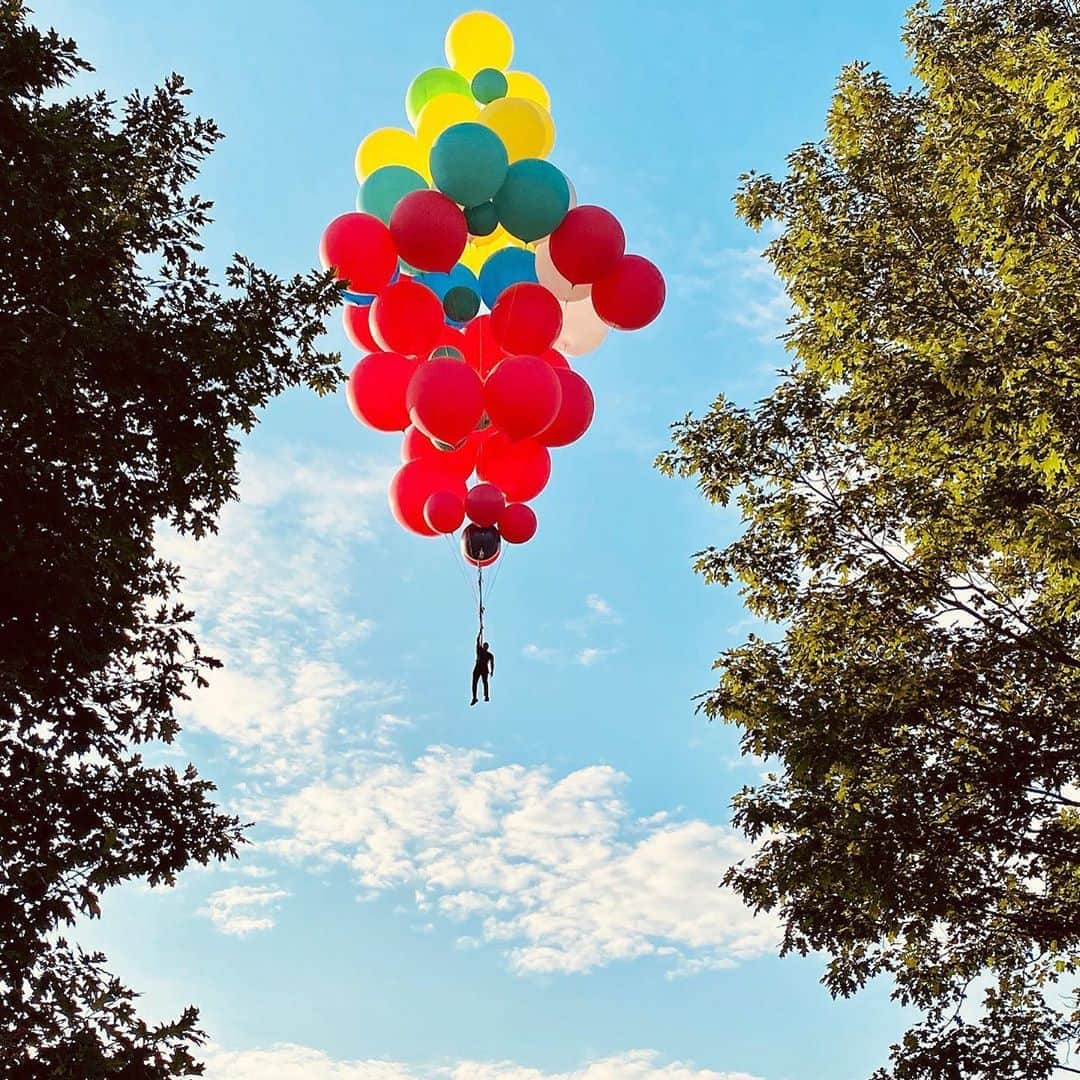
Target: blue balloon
{"x": 459, "y": 277}
{"x": 503, "y": 269}
{"x": 359, "y": 299}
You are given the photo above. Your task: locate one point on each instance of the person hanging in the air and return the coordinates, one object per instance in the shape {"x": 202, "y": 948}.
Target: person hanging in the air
{"x": 483, "y": 668}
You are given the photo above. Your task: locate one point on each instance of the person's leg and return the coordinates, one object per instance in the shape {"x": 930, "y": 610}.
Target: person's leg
{"x": 484, "y": 676}
{"x": 475, "y": 680}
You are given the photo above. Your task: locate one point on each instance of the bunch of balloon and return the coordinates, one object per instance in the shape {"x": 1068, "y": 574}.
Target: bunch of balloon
{"x": 470, "y": 274}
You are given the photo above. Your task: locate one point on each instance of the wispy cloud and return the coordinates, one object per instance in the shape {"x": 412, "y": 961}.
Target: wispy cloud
{"x": 591, "y": 656}
{"x": 601, "y": 608}
{"x": 243, "y": 909}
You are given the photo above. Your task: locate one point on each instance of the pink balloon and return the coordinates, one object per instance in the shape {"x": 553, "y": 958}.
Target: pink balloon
{"x": 445, "y": 399}
{"x": 376, "y": 390}
{"x": 552, "y": 280}
{"x": 360, "y": 250}
{"x": 631, "y": 295}
{"x": 583, "y": 330}
{"x": 444, "y": 512}
{"x": 357, "y": 327}
{"x": 522, "y": 396}
{"x": 407, "y": 317}
{"x": 520, "y": 469}
{"x": 462, "y": 459}
{"x": 517, "y": 523}
{"x": 526, "y": 319}
{"x": 587, "y": 245}
{"x": 429, "y": 230}
{"x": 413, "y": 484}
{"x": 575, "y": 412}
{"x": 484, "y": 503}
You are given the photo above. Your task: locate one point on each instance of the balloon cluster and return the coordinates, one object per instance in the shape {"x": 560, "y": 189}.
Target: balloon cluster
{"x": 470, "y": 274}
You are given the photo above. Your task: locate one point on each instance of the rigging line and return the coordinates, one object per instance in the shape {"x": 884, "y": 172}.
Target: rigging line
{"x": 498, "y": 571}
{"x": 457, "y": 562}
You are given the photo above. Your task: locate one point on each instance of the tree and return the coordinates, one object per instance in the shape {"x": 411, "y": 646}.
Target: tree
{"x": 127, "y": 376}
{"x": 911, "y": 504}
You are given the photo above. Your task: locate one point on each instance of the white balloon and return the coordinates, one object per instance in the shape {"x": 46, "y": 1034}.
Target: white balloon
{"x": 582, "y": 330}
{"x": 573, "y": 193}
{"x": 552, "y": 280}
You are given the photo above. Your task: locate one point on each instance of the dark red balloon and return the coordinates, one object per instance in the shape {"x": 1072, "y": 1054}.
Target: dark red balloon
{"x": 482, "y": 351}
{"x": 520, "y": 469}
{"x": 526, "y": 319}
{"x": 555, "y": 358}
{"x": 483, "y": 504}
{"x": 477, "y": 541}
{"x": 522, "y": 396}
{"x": 376, "y": 390}
{"x": 587, "y": 244}
{"x": 631, "y": 295}
{"x": 445, "y": 399}
{"x": 413, "y": 484}
{"x": 357, "y": 327}
{"x": 444, "y": 512}
{"x": 462, "y": 459}
{"x": 361, "y": 251}
{"x": 517, "y": 523}
{"x": 407, "y": 317}
{"x": 575, "y": 412}
{"x": 429, "y": 230}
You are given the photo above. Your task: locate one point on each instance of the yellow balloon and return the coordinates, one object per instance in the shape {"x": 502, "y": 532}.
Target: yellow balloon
{"x": 478, "y": 40}
{"x": 496, "y": 241}
{"x": 522, "y": 84}
{"x": 391, "y": 146}
{"x": 525, "y": 128}
{"x": 442, "y": 112}
{"x": 474, "y": 257}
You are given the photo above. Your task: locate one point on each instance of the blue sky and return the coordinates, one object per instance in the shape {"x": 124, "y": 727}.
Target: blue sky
{"x": 527, "y": 889}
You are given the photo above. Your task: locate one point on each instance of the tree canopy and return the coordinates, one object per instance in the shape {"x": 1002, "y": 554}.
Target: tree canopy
{"x": 911, "y": 507}
{"x": 128, "y": 375}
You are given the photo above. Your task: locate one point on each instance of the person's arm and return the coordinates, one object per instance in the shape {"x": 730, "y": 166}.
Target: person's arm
{"x": 491, "y": 662}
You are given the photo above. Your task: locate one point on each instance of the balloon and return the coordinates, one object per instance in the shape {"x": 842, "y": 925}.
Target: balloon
{"x": 551, "y": 279}
{"x": 361, "y": 251}
{"x": 390, "y": 146}
{"x": 587, "y": 245}
{"x": 573, "y": 193}
{"x": 445, "y": 399}
{"x": 407, "y": 318}
{"x": 582, "y": 329}
{"x": 376, "y": 390}
{"x": 631, "y": 295}
{"x": 526, "y": 128}
{"x": 469, "y": 163}
{"x": 444, "y": 512}
{"x": 522, "y": 396}
{"x": 503, "y": 269}
{"x": 521, "y": 84}
{"x": 473, "y": 257}
{"x": 442, "y": 112}
{"x": 533, "y": 200}
{"x": 554, "y": 358}
{"x": 413, "y": 484}
{"x": 478, "y": 40}
{"x": 357, "y": 327}
{"x": 482, "y": 351}
{"x": 429, "y": 230}
{"x": 480, "y": 546}
{"x": 575, "y": 411}
{"x": 482, "y": 219}
{"x": 385, "y": 187}
{"x": 461, "y": 303}
{"x": 488, "y": 84}
{"x": 461, "y": 460}
{"x": 430, "y": 84}
{"x": 520, "y": 469}
{"x": 483, "y": 504}
{"x": 517, "y": 523}
{"x": 526, "y": 318}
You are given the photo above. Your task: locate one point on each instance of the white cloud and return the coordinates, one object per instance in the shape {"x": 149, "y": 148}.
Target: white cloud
{"x": 601, "y": 608}
{"x": 590, "y": 656}
{"x": 243, "y": 908}
{"x": 286, "y": 1061}
{"x": 542, "y": 653}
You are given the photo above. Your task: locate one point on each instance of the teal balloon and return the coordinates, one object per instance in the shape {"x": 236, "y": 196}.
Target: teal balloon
{"x": 469, "y": 163}
{"x": 533, "y": 200}
{"x": 482, "y": 220}
{"x": 461, "y": 304}
{"x": 385, "y": 188}
{"x": 489, "y": 84}
{"x": 503, "y": 269}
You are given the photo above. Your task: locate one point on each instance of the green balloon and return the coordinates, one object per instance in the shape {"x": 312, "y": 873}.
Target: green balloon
{"x": 461, "y": 304}
{"x": 469, "y": 163}
{"x": 482, "y": 220}
{"x": 429, "y": 84}
{"x": 489, "y": 84}
{"x": 533, "y": 200}
{"x": 385, "y": 188}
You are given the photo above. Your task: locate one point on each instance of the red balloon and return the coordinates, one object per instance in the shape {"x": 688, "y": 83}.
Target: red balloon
{"x": 376, "y": 390}
{"x": 575, "y": 412}
{"x": 520, "y": 469}
{"x": 445, "y": 399}
{"x": 522, "y": 396}
{"x": 555, "y": 358}
{"x": 484, "y": 503}
{"x": 482, "y": 351}
{"x": 631, "y": 295}
{"x": 587, "y": 245}
{"x": 407, "y": 318}
{"x": 413, "y": 484}
{"x": 517, "y": 523}
{"x": 462, "y": 460}
{"x": 429, "y": 230}
{"x": 444, "y": 512}
{"x": 526, "y": 318}
{"x": 361, "y": 251}
{"x": 358, "y": 328}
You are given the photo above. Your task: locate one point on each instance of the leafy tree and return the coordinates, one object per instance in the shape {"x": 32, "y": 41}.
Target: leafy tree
{"x": 127, "y": 375}
{"x": 911, "y": 503}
